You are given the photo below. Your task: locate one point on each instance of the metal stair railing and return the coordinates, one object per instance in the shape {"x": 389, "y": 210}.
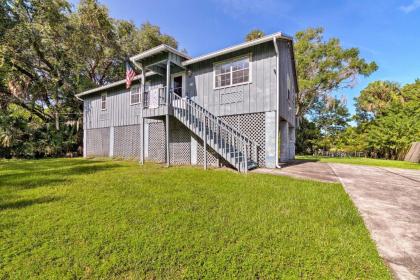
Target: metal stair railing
{"x": 235, "y": 147}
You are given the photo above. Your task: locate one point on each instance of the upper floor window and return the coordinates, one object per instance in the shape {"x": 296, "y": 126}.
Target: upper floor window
{"x": 232, "y": 72}
{"x": 103, "y": 101}
{"x": 135, "y": 95}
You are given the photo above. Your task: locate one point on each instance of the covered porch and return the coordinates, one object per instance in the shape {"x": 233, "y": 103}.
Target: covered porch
{"x": 166, "y": 63}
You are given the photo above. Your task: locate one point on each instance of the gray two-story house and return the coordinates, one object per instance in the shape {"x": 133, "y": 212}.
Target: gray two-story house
{"x": 233, "y": 107}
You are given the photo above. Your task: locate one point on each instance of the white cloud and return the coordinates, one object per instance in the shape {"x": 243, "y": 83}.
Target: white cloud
{"x": 411, "y": 7}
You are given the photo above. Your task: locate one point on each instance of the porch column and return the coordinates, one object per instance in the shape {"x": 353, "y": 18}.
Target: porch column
{"x": 142, "y": 88}
{"x": 284, "y": 141}
{"x": 142, "y": 85}
{"x": 270, "y": 139}
{"x": 142, "y": 141}
{"x": 84, "y": 143}
{"x": 292, "y": 143}
{"x": 111, "y": 141}
{"x": 168, "y": 84}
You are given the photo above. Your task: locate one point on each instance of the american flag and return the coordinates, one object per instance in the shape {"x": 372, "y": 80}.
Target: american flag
{"x": 129, "y": 74}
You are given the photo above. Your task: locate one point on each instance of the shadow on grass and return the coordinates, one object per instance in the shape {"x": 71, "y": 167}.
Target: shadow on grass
{"x": 52, "y": 173}
{"x": 43, "y": 164}
{"x": 27, "y": 202}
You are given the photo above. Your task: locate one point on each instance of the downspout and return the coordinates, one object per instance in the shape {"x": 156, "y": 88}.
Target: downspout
{"x": 277, "y": 100}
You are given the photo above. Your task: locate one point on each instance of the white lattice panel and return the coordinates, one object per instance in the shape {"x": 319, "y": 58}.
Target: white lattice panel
{"x": 97, "y": 142}
{"x": 157, "y": 139}
{"x": 253, "y": 126}
{"x": 180, "y": 143}
{"x": 127, "y": 141}
{"x": 212, "y": 156}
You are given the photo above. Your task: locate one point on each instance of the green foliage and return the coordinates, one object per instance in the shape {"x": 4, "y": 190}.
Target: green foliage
{"x": 307, "y": 134}
{"x": 25, "y": 136}
{"x": 254, "y": 34}
{"x": 93, "y": 219}
{"x": 329, "y": 119}
{"x": 387, "y": 118}
{"x": 394, "y": 122}
{"x": 324, "y": 66}
{"x": 376, "y": 97}
{"x": 49, "y": 52}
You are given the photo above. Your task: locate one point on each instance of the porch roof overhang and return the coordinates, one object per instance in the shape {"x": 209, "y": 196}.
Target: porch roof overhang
{"x": 157, "y": 50}
{"x": 111, "y": 85}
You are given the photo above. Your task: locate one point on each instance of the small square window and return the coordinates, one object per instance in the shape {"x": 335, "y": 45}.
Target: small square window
{"x": 135, "y": 95}
{"x": 103, "y": 101}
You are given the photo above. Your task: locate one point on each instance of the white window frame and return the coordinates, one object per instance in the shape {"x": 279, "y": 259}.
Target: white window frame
{"x": 104, "y": 101}
{"x": 138, "y": 93}
{"x": 230, "y": 60}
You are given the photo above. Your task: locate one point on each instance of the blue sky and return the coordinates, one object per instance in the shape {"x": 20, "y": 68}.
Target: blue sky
{"x": 387, "y": 32}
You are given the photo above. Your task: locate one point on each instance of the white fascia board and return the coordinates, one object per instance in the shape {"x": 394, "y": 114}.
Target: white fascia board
{"x": 264, "y": 39}
{"x": 157, "y": 50}
{"x": 111, "y": 85}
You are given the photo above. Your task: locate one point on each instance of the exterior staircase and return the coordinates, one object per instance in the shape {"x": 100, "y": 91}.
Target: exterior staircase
{"x": 232, "y": 145}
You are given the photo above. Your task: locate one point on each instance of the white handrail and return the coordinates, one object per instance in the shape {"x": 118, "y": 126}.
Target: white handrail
{"x": 226, "y": 140}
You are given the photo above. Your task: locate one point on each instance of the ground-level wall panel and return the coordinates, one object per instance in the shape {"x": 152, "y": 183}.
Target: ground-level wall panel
{"x": 97, "y": 142}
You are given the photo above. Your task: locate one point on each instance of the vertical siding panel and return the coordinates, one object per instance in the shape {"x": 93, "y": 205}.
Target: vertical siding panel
{"x": 273, "y": 86}
{"x": 260, "y": 81}
{"x": 253, "y": 87}
{"x": 267, "y": 66}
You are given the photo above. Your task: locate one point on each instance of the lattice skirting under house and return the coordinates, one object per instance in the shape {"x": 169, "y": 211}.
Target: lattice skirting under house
{"x": 252, "y": 125}
{"x": 127, "y": 141}
{"x": 185, "y": 146}
{"x": 179, "y": 143}
{"x": 97, "y": 142}
{"x": 156, "y": 141}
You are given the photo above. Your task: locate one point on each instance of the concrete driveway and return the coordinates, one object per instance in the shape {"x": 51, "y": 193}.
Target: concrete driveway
{"x": 388, "y": 200}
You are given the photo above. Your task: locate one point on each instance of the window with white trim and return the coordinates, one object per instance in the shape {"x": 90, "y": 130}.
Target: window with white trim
{"x": 135, "y": 95}
{"x": 103, "y": 101}
{"x": 232, "y": 72}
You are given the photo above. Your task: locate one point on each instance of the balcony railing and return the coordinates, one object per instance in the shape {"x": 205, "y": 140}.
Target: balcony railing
{"x": 154, "y": 98}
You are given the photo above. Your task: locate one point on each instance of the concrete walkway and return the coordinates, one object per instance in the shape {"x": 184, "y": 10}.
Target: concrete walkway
{"x": 388, "y": 200}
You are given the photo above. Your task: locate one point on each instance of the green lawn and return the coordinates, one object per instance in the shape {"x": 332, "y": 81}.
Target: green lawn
{"x": 365, "y": 161}
{"x": 76, "y": 218}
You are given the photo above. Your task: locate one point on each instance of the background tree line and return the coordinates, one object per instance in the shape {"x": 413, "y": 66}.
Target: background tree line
{"x": 50, "y": 50}
{"x": 387, "y": 118}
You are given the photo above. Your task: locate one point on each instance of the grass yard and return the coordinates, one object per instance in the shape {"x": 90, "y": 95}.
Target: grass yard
{"x": 365, "y": 161}
{"x": 76, "y": 218}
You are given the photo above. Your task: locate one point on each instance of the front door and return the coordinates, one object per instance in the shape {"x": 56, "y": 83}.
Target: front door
{"x": 178, "y": 81}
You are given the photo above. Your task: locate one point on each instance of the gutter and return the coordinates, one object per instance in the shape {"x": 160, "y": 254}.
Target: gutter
{"x": 277, "y": 100}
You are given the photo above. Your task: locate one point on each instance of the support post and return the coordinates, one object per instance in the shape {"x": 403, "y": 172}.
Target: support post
{"x": 143, "y": 85}
{"x": 84, "y": 143}
{"x": 168, "y": 154}
{"x": 245, "y": 156}
{"x": 111, "y": 141}
{"x": 168, "y": 80}
{"x": 292, "y": 142}
{"x": 284, "y": 141}
{"x": 142, "y": 141}
{"x": 168, "y": 84}
{"x": 205, "y": 142}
